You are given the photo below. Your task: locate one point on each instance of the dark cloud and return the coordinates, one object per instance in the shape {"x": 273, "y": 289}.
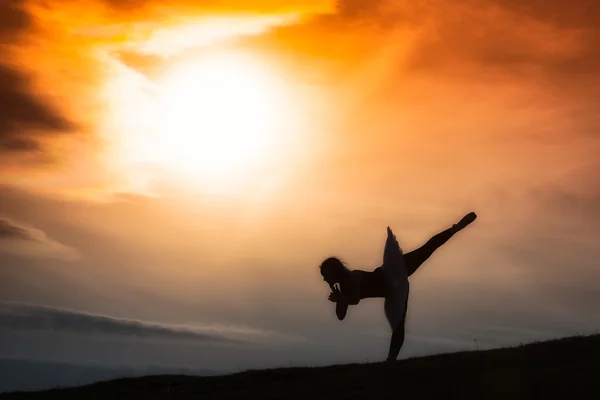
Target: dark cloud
{"x": 26, "y": 241}
{"x": 14, "y": 19}
{"x": 575, "y": 14}
{"x": 357, "y": 8}
{"x": 24, "y": 117}
{"x": 501, "y": 33}
{"x": 552, "y": 45}
{"x": 543, "y": 52}
{"x": 8, "y": 230}
{"x": 22, "y": 316}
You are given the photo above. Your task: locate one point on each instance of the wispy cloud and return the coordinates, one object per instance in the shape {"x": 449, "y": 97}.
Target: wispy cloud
{"x": 19, "y": 239}
{"x": 35, "y": 317}
{"x": 10, "y": 231}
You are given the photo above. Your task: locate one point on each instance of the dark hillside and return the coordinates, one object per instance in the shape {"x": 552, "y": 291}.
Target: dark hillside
{"x": 560, "y": 369}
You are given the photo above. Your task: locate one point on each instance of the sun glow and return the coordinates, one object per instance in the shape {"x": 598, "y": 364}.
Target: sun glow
{"x": 216, "y": 116}
{"x": 213, "y": 120}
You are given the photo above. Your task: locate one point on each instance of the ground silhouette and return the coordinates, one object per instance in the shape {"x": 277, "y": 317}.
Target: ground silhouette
{"x": 558, "y": 369}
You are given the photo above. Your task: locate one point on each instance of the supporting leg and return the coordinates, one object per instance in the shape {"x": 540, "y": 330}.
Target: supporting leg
{"x": 398, "y": 325}
{"x": 396, "y": 342}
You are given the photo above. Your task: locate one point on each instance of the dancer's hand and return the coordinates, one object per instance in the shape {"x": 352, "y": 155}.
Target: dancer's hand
{"x": 335, "y": 295}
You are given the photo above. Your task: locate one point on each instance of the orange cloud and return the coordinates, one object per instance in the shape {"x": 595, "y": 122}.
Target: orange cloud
{"x": 367, "y": 60}
{"x": 57, "y": 56}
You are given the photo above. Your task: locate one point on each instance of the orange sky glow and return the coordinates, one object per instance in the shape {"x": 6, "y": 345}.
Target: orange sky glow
{"x": 167, "y": 155}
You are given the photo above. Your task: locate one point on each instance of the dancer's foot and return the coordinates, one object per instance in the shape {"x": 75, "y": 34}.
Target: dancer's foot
{"x": 466, "y": 220}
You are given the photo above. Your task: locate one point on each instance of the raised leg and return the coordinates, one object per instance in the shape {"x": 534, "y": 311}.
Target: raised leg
{"x": 415, "y": 258}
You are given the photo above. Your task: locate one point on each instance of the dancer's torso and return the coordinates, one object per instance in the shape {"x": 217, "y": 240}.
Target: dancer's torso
{"x": 366, "y": 284}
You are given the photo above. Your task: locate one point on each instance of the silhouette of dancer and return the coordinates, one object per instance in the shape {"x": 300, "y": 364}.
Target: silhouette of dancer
{"x": 389, "y": 281}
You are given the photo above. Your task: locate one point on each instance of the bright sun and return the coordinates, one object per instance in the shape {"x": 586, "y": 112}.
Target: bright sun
{"x": 217, "y": 116}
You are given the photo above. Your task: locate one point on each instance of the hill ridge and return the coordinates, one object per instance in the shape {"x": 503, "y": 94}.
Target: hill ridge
{"x": 559, "y": 368}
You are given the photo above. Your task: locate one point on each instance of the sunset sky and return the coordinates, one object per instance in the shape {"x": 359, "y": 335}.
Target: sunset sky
{"x": 173, "y": 173}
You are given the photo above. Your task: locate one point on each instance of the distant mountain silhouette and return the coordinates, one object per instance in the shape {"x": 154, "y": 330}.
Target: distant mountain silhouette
{"x": 560, "y": 369}
{"x": 28, "y": 375}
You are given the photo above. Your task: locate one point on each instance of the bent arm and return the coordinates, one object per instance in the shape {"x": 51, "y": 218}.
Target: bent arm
{"x": 341, "y": 308}
{"x": 344, "y": 300}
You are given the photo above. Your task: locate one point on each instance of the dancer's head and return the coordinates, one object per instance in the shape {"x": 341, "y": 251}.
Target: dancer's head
{"x": 332, "y": 270}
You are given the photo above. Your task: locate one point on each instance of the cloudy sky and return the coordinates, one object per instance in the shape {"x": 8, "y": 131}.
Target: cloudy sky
{"x": 172, "y": 174}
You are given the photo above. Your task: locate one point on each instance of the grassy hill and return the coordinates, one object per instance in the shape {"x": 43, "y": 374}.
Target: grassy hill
{"x": 559, "y": 369}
